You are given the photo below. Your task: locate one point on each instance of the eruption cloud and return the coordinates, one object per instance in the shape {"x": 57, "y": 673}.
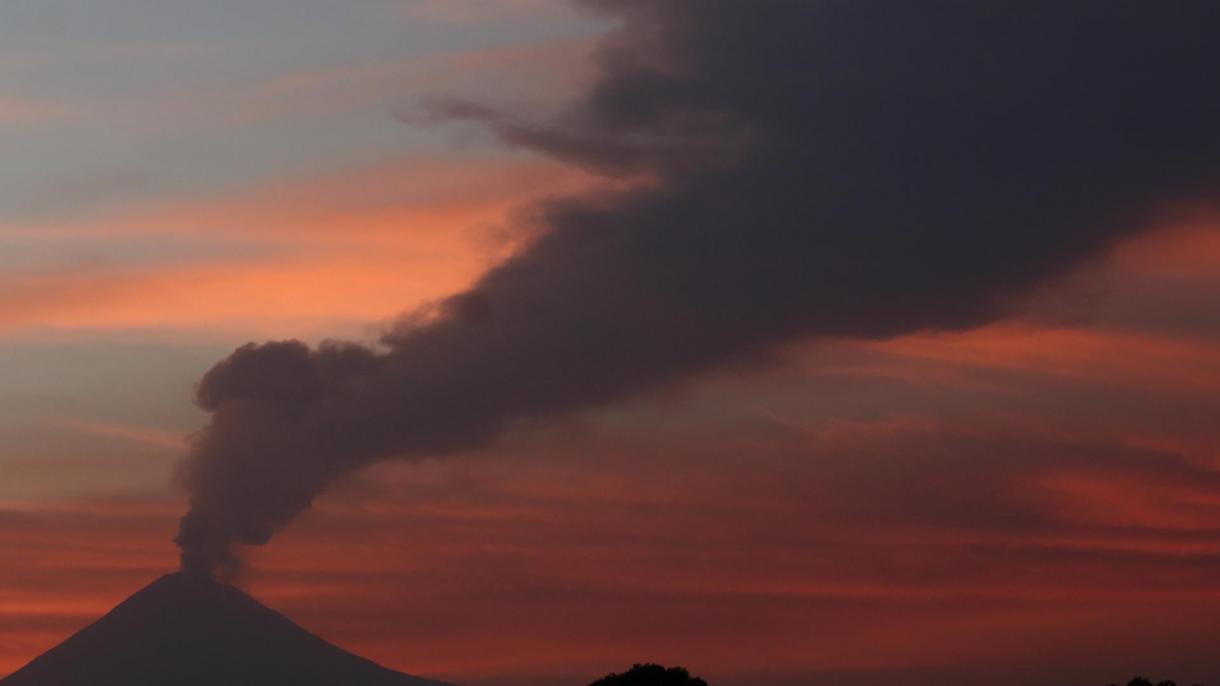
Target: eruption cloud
{"x": 833, "y": 168}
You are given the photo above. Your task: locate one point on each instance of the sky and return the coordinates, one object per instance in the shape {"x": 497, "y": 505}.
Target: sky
{"x": 1020, "y": 494}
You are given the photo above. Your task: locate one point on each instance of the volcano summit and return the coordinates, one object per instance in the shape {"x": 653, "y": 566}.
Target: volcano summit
{"x": 190, "y": 631}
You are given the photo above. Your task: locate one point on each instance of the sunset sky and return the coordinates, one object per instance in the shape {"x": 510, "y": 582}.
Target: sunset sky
{"x": 1029, "y": 498}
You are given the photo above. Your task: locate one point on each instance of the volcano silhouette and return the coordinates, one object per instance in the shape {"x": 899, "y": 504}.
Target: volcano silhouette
{"x": 186, "y": 631}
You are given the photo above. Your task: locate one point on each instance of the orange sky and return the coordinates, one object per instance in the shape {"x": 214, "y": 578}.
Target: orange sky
{"x": 1031, "y": 499}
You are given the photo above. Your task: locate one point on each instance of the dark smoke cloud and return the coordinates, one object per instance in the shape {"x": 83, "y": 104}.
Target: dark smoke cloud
{"x": 817, "y": 169}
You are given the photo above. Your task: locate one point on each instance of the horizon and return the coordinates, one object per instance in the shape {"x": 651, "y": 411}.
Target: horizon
{"x": 517, "y": 342}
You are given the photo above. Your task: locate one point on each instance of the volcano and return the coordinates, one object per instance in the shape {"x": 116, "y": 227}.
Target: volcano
{"x": 187, "y": 631}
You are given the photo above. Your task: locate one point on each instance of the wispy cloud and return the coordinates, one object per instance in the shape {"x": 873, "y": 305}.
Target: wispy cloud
{"x": 16, "y": 112}
{"x": 355, "y": 245}
{"x": 144, "y": 435}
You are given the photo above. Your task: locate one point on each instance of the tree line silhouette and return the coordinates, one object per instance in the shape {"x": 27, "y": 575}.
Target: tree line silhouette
{"x": 650, "y": 675}
{"x": 656, "y": 675}
{"x": 1143, "y": 681}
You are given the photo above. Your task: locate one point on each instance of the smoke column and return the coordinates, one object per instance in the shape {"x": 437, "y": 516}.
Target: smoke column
{"x": 833, "y": 168}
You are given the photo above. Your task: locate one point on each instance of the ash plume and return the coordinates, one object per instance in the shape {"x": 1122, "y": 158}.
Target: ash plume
{"x": 832, "y": 168}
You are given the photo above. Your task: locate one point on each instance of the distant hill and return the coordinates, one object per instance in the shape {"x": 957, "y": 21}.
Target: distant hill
{"x": 184, "y": 631}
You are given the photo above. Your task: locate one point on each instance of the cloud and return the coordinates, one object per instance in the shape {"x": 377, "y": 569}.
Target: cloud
{"x": 818, "y": 170}
{"x": 461, "y": 11}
